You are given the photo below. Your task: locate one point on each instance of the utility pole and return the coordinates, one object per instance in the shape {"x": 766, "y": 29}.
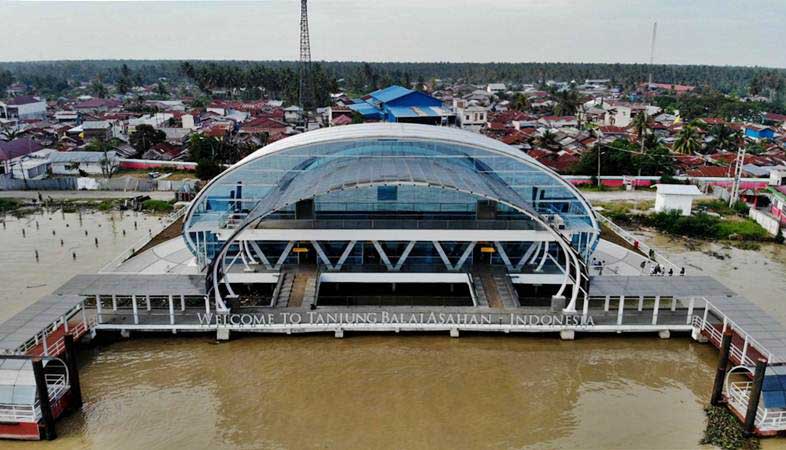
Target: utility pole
{"x": 735, "y": 187}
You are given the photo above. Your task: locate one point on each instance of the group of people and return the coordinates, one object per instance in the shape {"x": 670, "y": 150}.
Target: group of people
{"x": 657, "y": 270}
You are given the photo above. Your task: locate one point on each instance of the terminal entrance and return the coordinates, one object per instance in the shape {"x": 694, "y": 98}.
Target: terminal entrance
{"x": 394, "y": 294}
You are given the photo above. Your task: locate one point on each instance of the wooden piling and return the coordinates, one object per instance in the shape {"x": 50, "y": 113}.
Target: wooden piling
{"x": 48, "y": 432}
{"x": 720, "y": 374}
{"x": 73, "y": 370}
{"x": 754, "y": 396}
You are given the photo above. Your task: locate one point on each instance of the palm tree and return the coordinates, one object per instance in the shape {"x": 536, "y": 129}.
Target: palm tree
{"x": 548, "y": 140}
{"x": 567, "y": 102}
{"x": 725, "y": 137}
{"x": 687, "y": 141}
{"x": 520, "y": 102}
{"x": 641, "y": 124}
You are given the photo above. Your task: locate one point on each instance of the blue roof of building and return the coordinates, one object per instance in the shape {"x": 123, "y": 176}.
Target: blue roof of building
{"x": 390, "y": 93}
{"x": 412, "y": 111}
{"x": 365, "y": 109}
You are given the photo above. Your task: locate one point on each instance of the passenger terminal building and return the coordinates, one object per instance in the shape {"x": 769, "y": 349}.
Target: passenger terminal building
{"x": 391, "y": 214}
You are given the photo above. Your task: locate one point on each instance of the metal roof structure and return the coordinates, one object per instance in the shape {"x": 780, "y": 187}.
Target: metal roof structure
{"x": 30, "y": 321}
{"x": 678, "y": 189}
{"x": 133, "y": 284}
{"x": 17, "y": 382}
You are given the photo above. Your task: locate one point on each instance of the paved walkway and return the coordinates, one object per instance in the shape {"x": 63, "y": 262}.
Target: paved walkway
{"x": 85, "y": 195}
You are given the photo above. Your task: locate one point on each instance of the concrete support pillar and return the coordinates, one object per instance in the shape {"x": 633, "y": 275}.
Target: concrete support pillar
{"x": 585, "y": 307}
{"x": 125, "y": 334}
{"x": 755, "y": 395}
{"x": 147, "y": 302}
{"x": 696, "y": 335}
{"x": 620, "y": 309}
{"x": 339, "y": 333}
{"x": 641, "y": 303}
{"x": 114, "y": 302}
{"x": 222, "y": 333}
{"x": 454, "y": 332}
{"x": 720, "y": 372}
{"x": 182, "y": 302}
{"x": 606, "y": 302}
{"x": 47, "y": 417}
{"x": 567, "y": 335}
{"x": 664, "y": 334}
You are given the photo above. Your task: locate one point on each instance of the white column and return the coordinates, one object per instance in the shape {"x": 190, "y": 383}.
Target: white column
{"x": 99, "y": 318}
{"x": 136, "y": 312}
{"x": 147, "y": 302}
{"x": 207, "y": 305}
{"x": 84, "y": 314}
{"x": 655, "y": 310}
{"x": 585, "y": 307}
{"x": 744, "y": 350}
{"x": 114, "y": 302}
{"x": 691, "y": 304}
{"x": 171, "y": 311}
{"x": 606, "y": 303}
{"x": 620, "y": 309}
{"x": 182, "y": 302}
{"x": 706, "y": 310}
{"x": 65, "y": 323}
{"x": 46, "y": 344}
{"x": 674, "y": 303}
{"x": 641, "y": 302}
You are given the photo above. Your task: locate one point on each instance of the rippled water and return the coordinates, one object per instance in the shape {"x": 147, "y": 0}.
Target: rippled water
{"x": 401, "y": 391}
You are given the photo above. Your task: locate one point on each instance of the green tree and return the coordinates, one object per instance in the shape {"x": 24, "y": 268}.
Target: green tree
{"x": 687, "y": 141}
{"x": 100, "y": 145}
{"x": 124, "y": 82}
{"x": 98, "y": 88}
{"x": 520, "y": 102}
{"x": 6, "y": 79}
{"x": 724, "y": 137}
{"x": 144, "y": 137}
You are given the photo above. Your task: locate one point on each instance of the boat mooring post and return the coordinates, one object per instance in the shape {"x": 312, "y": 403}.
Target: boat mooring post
{"x": 73, "y": 370}
{"x": 754, "y": 396}
{"x": 43, "y": 399}
{"x": 720, "y": 374}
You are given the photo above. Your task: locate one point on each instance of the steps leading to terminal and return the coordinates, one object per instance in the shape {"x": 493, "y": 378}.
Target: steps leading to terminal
{"x": 480, "y": 292}
{"x": 284, "y": 290}
{"x": 310, "y": 291}
{"x": 507, "y": 292}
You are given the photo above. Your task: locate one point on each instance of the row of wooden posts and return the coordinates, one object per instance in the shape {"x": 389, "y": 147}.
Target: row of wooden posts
{"x": 69, "y": 357}
{"x": 758, "y": 383}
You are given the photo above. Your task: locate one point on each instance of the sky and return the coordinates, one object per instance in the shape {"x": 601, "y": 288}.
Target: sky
{"x": 716, "y": 32}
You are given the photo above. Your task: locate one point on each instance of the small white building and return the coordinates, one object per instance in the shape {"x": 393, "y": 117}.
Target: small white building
{"x": 90, "y": 163}
{"x": 677, "y": 197}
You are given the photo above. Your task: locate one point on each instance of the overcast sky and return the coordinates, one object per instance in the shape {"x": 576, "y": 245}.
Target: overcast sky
{"x": 719, "y": 32}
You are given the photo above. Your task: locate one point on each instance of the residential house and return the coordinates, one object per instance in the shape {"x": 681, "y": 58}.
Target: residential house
{"x": 10, "y": 150}
{"x": 758, "y": 132}
{"x": 23, "y": 107}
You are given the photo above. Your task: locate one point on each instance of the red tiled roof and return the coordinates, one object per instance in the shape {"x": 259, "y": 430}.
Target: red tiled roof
{"x": 22, "y": 100}
{"x": 709, "y": 171}
{"x": 775, "y": 117}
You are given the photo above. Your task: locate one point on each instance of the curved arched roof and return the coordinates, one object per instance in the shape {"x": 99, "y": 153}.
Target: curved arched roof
{"x": 397, "y": 132}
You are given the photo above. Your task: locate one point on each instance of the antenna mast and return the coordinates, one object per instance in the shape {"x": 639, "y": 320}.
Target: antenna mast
{"x": 305, "y": 91}
{"x": 652, "y": 52}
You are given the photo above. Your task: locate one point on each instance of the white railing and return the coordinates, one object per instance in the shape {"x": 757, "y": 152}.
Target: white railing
{"x": 636, "y": 242}
{"x": 12, "y": 412}
{"x": 168, "y": 220}
{"x": 742, "y": 354}
{"x": 58, "y": 346}
{"x": 738, "y": 395}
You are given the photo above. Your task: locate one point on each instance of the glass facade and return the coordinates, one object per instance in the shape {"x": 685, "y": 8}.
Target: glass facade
{"x": 361, "y": 178}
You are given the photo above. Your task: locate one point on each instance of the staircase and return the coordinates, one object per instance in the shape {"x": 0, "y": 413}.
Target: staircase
{"x": 304, "y": 288}
{"x": 507, "y": 292}
{"x": 283, "y": 290}
{"x": 480, "y": 292}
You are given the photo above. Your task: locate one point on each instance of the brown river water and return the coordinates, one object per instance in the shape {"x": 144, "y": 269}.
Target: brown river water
{"x": 379, "y": 391}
